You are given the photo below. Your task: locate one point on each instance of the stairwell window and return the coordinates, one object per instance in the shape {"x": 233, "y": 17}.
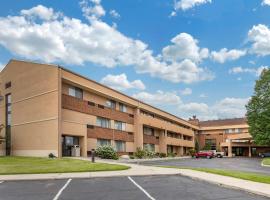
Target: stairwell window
{"x": 120, "y": 146}
{"x": 103, "y": 122}
{"x": 75, "y": 92}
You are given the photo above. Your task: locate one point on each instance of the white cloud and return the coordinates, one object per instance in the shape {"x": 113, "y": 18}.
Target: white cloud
{"x": 92, "y": 9}
{"x": 255, "y": 71}
{"x": 159, "y": 98}
{"x": 173, "y": 14}
{"x": 186, "y": 91}
{"x": 202, "y": 95}
{"x": 184, "y": 46}
{"x": 188, "y": 4}
{"x": 226, "y": 55}
{"x": 41, "y": 12}
{"x": 259, "y": 36}
{"x": 75, "y": 42}
{"x": 120, "y": 82}
{"x": 266, "y": 3}
{"x": 115, "y": 14}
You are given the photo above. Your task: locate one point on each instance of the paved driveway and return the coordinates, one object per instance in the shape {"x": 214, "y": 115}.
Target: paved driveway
{"x": 240, "y": 164}
{"x": 117, "y": 188}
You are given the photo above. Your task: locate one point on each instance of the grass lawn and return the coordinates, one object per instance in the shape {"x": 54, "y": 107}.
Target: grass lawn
{"x": 236, "y": 174}
{"x": 32, "y": 165}
{"x": 266, "y": 161}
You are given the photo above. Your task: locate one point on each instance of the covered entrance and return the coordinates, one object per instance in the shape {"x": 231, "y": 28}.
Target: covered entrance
{"x": 67, "y": 143}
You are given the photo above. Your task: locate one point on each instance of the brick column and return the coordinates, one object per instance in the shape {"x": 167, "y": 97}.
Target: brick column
{"x": 249, "y": 151}
{"x": 138, "y": 130}
{"x": 230, "y": 149}
{"x": 163, "y": 141}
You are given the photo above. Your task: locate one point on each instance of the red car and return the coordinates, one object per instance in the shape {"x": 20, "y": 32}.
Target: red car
{"x": 205, "y": 154}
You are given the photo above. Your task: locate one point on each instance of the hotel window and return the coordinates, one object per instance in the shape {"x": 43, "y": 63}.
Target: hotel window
{"x": 111, "y": 104}
{"x": 229, "y": 131}
{"x": 122, "y": 107}
{"x": 211, "y": 143}
{"x": 148, "y": 131}
{"x": 149, "y": 147}
{"x": 103, "y": 122}
{"x": 120, "y": 125}
{"x": 238, "y": 130}
{"x": 120, "y": 146}
{"x": 103, "y": 142}
{"x": 75, "y": 92}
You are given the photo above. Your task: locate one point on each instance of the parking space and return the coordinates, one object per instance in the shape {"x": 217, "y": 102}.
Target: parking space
{"x": 117, "y": 188}
{"x": 239, "y": 164}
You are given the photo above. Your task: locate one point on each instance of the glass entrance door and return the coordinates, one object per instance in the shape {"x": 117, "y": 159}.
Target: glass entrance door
{"x": 67, "y": 143}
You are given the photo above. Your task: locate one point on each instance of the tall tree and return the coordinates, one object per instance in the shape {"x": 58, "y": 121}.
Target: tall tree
{"x": 258, "y": 110}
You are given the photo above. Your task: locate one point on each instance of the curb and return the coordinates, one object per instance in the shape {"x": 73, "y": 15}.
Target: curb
{"x": 263, "y": 165}
{"x": 226, "y": 185}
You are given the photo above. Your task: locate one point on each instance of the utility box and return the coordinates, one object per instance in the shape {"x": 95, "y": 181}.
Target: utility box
{"x": 75, "y": 151}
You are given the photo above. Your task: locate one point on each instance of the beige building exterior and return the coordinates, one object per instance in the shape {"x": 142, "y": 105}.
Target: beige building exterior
{"x": 48, "y": 109}
{"x": 228, "y": 135}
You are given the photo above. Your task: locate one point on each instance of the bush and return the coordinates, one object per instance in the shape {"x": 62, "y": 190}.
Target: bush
{"x": 150, "y": 154}
{"x": 192, "y": 152}
{"x": 140, "y": 153}
{"x": 51, "y": 155}
{"x": 106, "y": 152}
{"x": 162, "y": 155}
{"x": 171, "y": 154}
{"x": 132, "y": 157}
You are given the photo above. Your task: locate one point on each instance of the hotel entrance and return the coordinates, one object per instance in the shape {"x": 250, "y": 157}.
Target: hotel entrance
{"x": 67, "y": 143}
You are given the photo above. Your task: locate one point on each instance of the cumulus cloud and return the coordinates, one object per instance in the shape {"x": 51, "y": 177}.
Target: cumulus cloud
{"x": 255, "y": 71}
{"x": 227, "y": 55}
{"x": 266, "y": 3}
{"x": 259, "y": 36}
{"x": 121, "y": 82}
{"x": 225, "y": 108}
{"x": 184, "y": 46}
{"x": 188, "y": 4}
{"x": 114, "y": 14}
{"x": 186, "y": 91}
{"x": 59, "y": 38}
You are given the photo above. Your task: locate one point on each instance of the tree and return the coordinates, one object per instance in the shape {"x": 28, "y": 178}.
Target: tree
{"x": 197, "y": 146}
{"x": 258, "y": 110}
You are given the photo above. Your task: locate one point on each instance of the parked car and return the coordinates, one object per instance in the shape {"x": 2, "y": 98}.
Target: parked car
{"x": 263, "y": 155}
{"x": 218, "y": 154}
{"x": 205, "y": 154}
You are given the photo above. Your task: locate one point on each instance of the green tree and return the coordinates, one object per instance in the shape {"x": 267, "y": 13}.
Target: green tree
{"x": 258, "y": 110}
{"x": 197, "y": 146}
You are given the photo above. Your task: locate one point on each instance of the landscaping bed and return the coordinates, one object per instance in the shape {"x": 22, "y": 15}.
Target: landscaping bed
{"x": 266, "y": 161}
{"x": 33, "y": 165}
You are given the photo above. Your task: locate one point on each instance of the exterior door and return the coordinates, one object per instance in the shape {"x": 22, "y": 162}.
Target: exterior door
{"x": 67, "y": 143}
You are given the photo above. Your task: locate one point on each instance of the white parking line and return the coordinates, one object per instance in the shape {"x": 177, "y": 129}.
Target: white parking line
{"x": 62, "y": 189}
{"x": 144, "y": 191}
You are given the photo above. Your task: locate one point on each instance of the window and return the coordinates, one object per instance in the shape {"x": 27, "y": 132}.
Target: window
{"x": 228, "y": 130}
{"x": 103, "y": 122}
{"x": 173, "y": 135}
{"x": 8, "y": 110}
{"x": 111, "y": 104}
{"x": 211, "y": 143}
{"x": 8, "y": 85}
{"x": 120, "y": 125}
{"x": 75, "y": 92}
{"x": 122, "y": 107}
{"x": 148, "y": 131}
{"x": 120, "y": 146}
{"x": 103, "y": 142}
{"x": 149, "y": 147}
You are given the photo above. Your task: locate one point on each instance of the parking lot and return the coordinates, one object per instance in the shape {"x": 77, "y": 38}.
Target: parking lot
{"x": 239, "y": 164}
{"x": 146, "y": 187}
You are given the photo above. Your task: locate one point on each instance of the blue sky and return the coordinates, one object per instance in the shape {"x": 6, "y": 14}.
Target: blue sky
{"x": 187, "y": 57}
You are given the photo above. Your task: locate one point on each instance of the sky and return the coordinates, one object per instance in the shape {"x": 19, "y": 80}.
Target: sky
{"x": 187, "y": 57}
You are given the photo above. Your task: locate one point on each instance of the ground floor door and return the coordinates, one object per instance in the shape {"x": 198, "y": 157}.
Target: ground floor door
{"x": 240, "y": 151}
{"x": 67, "y": 143}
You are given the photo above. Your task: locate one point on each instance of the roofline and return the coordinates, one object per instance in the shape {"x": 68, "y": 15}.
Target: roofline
{"x": 139, "y": 101}
{"x": 82, "y": 76}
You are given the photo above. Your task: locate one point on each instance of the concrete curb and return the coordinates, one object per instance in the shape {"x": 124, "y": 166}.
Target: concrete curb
{"x": 263, "y": 165}
{"x": 241, "y": 187}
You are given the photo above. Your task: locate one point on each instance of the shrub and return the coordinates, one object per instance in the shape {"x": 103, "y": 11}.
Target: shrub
{"x": 51, "y": 155}
{"x": 192, "y": 152}
{"x": 162, "y": 155}
{"x": 132, "y": 157}
{"x": 106, "y": 152}
{"x": 140, "y": 153}
{"x": 150, "y": 154}
{"x": 171, "y": 154}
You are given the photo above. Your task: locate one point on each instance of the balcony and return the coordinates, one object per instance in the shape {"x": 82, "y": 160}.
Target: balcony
{"x": 110, "y": 134}
{"x": 79, "y": 105}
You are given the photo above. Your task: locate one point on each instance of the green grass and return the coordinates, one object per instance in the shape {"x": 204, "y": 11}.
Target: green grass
{"x": 260, "y": 178}
{"x": 266, "y": 161}
{"x": 32, "y": 165}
